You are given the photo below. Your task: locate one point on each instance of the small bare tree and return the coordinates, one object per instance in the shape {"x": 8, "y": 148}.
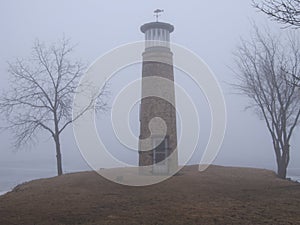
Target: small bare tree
{"x": 265, "y": 64}
{"x": 284, "y": 11}
{"x": 41, "y": 94}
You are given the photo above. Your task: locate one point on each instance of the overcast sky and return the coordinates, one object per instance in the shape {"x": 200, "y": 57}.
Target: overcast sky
{"x": 209, "y": 28}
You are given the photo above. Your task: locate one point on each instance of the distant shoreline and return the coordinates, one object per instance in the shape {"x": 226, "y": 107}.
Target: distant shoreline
{"x": 3, "y": 192}
{"x": 294, "y": 178}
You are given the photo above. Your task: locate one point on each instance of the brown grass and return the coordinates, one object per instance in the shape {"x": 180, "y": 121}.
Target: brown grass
{"x": 220, "y": 195}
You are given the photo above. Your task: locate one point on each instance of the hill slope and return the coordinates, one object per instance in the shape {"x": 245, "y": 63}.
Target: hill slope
{"x": 220, "y": 195}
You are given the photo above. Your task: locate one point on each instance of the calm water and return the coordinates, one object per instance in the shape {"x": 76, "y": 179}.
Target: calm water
{"x": 12, "y": 174}
{"x": 294, "y": 174}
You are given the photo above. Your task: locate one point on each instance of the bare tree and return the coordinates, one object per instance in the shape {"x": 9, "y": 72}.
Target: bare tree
{"x": 41, "y": 94}
{"x": 284, "y": 11}
{"x": 264, "y": 66}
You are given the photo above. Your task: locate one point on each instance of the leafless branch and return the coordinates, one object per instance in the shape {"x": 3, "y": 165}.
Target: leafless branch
{"x": 41, "y": 94}
{"x": 286, "y": 12}
{"x": 264, "y": 67}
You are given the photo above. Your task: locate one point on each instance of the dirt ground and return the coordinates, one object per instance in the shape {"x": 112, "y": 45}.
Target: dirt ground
{"x": 220, "y": 195}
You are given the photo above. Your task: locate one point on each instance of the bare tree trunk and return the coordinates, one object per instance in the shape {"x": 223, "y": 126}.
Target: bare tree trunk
{"x": 282, "y": 162}
{"x": 281, "y": 169}
{"x": 58, "y": 155}
{"x": 268, "y": 72}
{"x": 41, "y": 95}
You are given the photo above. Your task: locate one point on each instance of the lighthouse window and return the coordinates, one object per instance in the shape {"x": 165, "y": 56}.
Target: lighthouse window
{"x": 157, "y": 37}
{"x": 164, "y": 35}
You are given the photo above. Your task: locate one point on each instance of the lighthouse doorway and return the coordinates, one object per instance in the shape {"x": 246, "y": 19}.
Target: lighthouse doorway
{"x": 160, "y": 155}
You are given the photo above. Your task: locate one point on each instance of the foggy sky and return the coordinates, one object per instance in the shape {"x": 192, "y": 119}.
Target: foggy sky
{"x": 211, "y": 29}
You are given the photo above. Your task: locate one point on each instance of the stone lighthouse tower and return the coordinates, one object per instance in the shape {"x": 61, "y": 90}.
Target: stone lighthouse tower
{"x": 158, "y": 135}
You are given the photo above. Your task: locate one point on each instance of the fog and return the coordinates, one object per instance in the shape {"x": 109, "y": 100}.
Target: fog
{"x": 211, "y": 29}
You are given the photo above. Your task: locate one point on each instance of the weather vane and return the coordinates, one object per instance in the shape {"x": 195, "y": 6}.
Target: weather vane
{"x": 157, "y": 13}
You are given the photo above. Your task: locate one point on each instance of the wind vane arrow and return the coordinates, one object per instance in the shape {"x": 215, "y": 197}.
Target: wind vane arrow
{"x": 157, "y": 13}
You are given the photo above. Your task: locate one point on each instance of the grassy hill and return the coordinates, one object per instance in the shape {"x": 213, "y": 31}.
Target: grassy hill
{"x": 220, "y": 195}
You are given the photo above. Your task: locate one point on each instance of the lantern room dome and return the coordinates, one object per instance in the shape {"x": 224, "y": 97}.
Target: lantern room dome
{"x": 157, "y": 25}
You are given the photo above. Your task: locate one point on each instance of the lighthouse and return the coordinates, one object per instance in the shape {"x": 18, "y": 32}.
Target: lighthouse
{"x": 158, "y": 132}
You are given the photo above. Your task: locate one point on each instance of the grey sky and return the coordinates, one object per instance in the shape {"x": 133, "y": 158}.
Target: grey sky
{"x": 209, "y": 28}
